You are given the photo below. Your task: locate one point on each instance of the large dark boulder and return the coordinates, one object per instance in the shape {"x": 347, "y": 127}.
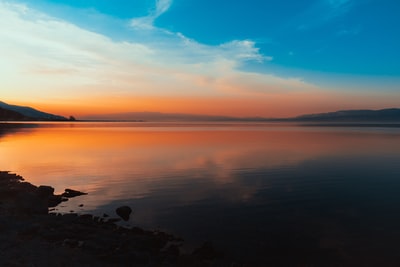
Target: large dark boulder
{"x": 54, "y": 200}
{"x": 45, "y": 191}
{"x": 29, "y": 203}
{"x": 207, "y": 252}
{"x": 124, "y": 212}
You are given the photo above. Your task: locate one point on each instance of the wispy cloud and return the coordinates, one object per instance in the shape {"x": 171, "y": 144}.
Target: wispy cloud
{"x": 339, "y": 7}
{"x": 44, "y": 56}
{"x": 323, "y": 12}
{"x": 161, "y": 6}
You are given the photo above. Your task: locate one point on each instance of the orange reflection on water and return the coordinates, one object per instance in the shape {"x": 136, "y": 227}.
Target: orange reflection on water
{"x": 129, "y": 162}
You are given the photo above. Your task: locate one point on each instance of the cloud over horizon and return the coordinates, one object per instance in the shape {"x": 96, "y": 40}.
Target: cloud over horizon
{"x": 161, "y": 6}
{"x": 48, "y": 59}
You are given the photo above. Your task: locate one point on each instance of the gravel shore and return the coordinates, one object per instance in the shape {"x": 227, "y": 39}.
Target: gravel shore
{"x": 31, "y": 236}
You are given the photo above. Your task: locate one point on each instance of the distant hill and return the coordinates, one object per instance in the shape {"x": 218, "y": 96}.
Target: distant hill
{"x": 162, "y": 117}
{"x": 29, "y": 113}
{"x": 9, "y": 115}
{"x": 383, "y": 115}
{"x": 13, "y": 112}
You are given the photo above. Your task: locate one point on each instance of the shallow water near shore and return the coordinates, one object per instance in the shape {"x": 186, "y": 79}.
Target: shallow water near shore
{"x": 261, "y": 192}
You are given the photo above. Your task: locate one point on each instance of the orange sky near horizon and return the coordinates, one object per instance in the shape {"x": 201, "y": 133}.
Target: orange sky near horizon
{"x": 269, "y": 106}
{"x": 60, "y": 67}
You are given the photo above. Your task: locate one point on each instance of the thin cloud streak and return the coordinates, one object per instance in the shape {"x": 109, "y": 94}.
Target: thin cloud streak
{"x": 35, "y": 44}
{"x": 321, "y": 13}
{"x": 51, "y": 60}
{"x": 147, "y": 22}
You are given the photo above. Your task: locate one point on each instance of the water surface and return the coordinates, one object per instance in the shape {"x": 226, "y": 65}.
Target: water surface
{"x": 264, "y": 193}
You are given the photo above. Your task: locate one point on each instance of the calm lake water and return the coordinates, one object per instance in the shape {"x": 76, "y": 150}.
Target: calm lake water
{"x": 266, "y": 194}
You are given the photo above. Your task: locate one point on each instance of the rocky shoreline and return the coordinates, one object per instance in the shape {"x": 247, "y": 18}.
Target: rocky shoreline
{"x": 31, "y": 236}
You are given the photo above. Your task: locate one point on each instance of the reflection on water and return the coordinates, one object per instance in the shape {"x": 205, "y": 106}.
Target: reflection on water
{"x": 265, "y": 192}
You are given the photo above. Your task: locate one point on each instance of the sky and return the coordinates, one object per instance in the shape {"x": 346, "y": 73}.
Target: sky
{"x": 268, "y": 58}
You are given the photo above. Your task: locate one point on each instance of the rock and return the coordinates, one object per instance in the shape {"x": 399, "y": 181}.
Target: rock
{"x": 207, "y": 252}
{"x": 86, "y": 216}
{"x": 172, "y": 253}
{"x": 28, "y": 203}
{"x": 29, "y": 236}
{"x": 70, "y": 215}
{"x": 124, "y": 212}
{"x": 81, "y": 243}
{"x": 45, "y": 191}
{"x": 54, "y": 200}
{"x": 70, "y": 242}
{"x": 72, "y": 193}
{"x": 113, "y": 220}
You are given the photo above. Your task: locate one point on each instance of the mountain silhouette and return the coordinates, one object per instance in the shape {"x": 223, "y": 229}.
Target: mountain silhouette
{"x": 9, "y": 115}
{"x": 28, "y": 113}
{"x": 382, "y": 115}
{"x": 14, "y": 112}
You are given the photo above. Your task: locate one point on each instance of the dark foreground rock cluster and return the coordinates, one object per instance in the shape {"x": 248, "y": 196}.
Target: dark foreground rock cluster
{"x": 30, "y": 236}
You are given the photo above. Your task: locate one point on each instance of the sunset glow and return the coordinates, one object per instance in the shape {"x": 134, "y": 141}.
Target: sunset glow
{"x": 200, "y": 132}
{"x": 151, "y": 151}
{"x": 70, "y": 58}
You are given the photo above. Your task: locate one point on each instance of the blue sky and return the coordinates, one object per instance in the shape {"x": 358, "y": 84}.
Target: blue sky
{"x": 341, "y": 36}
{"x": 332, "y": 46}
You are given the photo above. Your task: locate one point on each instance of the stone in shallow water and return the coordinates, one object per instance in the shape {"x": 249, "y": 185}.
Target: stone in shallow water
{"x": 54, "y": 200}
{"x": 124, "y": 212}
{"x": 45, "y": 191}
